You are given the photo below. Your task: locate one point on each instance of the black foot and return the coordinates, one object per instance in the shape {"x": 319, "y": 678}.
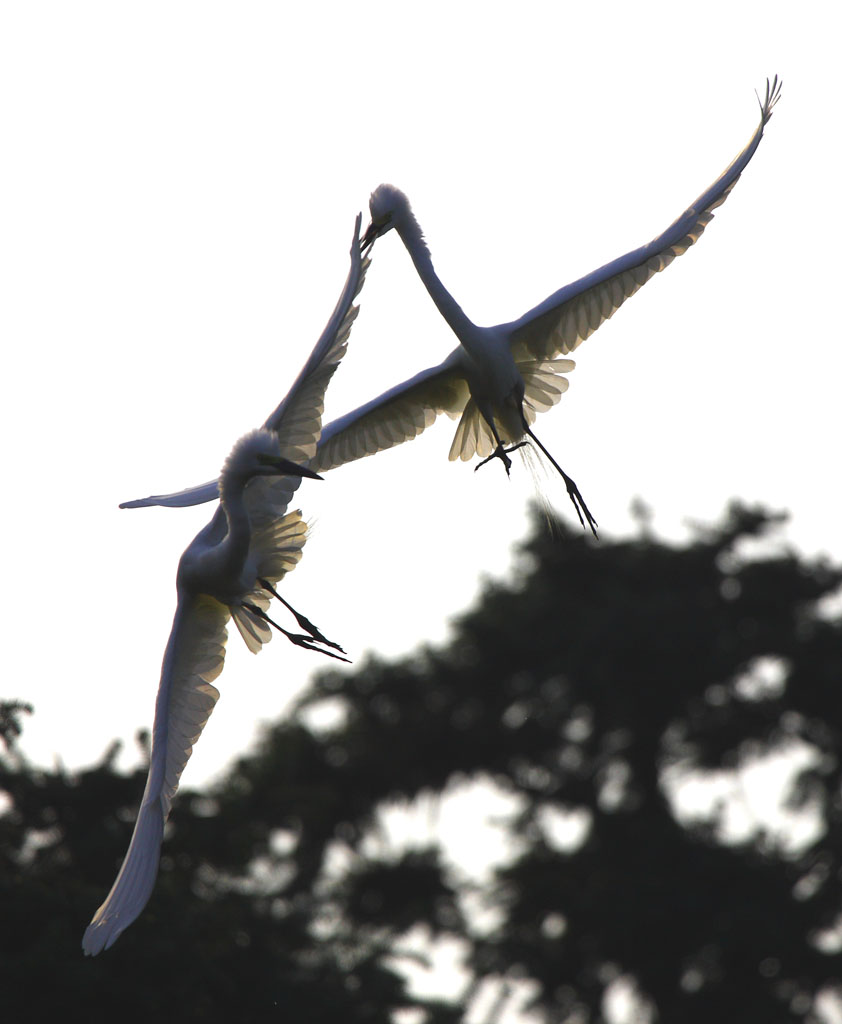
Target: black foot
{"x": 294, "y": 638}
{"x": 503, "y": 454}
{"x": 582, "y": 510}
{"x": 579, "y": 504}
{"x": 302, "y": 620}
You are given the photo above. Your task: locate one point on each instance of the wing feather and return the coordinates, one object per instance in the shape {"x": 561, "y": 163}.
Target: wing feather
{"x": 186, "y": 697}
{"x": 543, "y": 384}
{"x": 399, "y": 414}
{"x": 276, "y": 547}
{"x": 473, "y": 435}
{"x": 564, "y": 320}
{"x": 298, "y": 418}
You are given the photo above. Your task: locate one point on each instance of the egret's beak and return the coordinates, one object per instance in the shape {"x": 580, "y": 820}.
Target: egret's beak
{"x": 285, "y": 467}
{"x": 371, "y": 232}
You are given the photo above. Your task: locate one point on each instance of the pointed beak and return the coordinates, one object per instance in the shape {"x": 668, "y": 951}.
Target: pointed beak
{"x": 285, "y": 467}
{"x": 371, "y": 233}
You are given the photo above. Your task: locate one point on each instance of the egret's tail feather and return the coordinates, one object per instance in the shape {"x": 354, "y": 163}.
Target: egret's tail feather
{"x": 473, "y": 435}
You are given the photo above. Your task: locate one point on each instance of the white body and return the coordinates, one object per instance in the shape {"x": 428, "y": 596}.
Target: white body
{"x": 251, "y": 537}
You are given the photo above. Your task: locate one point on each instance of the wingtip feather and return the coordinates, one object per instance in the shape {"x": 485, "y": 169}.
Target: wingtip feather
{"x": 133, "y": 885}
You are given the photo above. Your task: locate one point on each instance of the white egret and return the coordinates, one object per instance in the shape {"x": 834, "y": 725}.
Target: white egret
{"x": 499, "y": 378}
{"x": 216, "y": 580}
{"x": 229, "y": 570}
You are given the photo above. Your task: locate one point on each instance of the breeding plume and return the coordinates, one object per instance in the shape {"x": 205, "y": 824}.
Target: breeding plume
{"x": 230, "y": 570}
{"x": 498, "y": 378}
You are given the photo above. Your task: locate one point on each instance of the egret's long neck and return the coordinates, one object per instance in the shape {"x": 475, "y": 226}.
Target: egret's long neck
{"x": 410, "y": 232}
{"x": 236, "y": 544}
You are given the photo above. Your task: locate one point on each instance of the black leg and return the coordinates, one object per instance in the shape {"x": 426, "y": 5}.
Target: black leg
{"x": 302, "y": 620}
{"x": 572, "y": 490}
{"x": 501, "y": 452}
{"x": 295, "y": 638}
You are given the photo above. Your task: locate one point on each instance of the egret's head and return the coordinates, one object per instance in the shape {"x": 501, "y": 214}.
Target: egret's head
{"x": 259, "y": 454}
{"x": 389, "y": 209}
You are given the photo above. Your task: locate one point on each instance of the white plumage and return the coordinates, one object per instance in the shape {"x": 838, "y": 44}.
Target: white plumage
{"x": 229, "y": 570}
{"x": 498, "y": 378}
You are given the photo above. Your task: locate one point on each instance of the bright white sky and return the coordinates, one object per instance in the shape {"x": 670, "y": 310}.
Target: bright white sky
{"x": 179, "y": 186}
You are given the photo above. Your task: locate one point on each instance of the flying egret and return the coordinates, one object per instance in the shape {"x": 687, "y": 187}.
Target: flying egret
{"x": 229, "y": 570}
{"x": 217, "y": 579}
{"x": 499, "y": 378}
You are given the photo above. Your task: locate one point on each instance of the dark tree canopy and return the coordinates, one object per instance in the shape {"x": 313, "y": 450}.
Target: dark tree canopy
{"x": 585, "y": 690}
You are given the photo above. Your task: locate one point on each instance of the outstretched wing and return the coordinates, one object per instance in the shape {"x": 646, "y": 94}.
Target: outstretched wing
{"x": 197, "y": 495}
{"x": 298, "y": 419}
{"x": 563, "y": 321}
{"x": 193, "y": 659}
{"x": 398, "y": 415}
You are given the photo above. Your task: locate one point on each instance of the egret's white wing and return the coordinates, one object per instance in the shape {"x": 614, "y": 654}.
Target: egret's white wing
{"x": 197, "y": 495}
{"x": 298, "y": 418}
{"x": 543, "y": 383}
{"x": 193, "y": 659}
{"x": 398, "y": 415}
{"x": 563, "y": 321}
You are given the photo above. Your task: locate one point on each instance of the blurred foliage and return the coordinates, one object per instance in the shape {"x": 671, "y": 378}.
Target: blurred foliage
{"x": 585, "y": 690}
{"x": 10, "y": 721}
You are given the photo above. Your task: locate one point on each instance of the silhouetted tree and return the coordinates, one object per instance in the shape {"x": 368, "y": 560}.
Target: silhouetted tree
{"x": 589, "y": 691}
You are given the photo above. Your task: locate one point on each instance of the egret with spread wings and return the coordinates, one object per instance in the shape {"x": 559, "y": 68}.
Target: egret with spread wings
{"x": 229, "y": 570}
{"x": 499, "y": 378}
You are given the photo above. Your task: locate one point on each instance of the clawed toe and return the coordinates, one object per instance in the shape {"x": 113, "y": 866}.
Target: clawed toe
{"x": 314, "y": 632}
{"x": 299, "y": 639}
{"x": 502, "y": 453}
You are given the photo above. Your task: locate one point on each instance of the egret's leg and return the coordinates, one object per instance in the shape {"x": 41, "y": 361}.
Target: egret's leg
{"x": 572, "y": 490}
{"x": 295, "y": 638}
{"x": 501, "y": 451}
{"x": 302, "y": 620}
{"x": 498, "y": 453}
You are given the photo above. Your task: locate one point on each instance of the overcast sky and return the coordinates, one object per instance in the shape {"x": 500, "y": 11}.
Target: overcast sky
{"x": 179, "y": 186}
